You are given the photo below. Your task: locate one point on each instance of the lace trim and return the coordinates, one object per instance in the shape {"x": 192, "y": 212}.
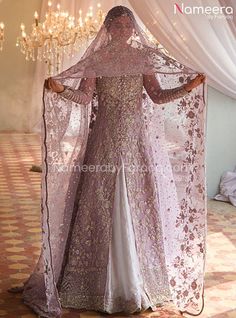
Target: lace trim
{"x": 112, "y": 305}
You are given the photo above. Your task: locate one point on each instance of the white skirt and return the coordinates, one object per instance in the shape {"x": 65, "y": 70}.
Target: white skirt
{"x": 124, "y": 279}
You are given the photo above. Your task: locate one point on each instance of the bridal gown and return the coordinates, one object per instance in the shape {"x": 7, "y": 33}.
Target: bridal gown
{"x": 115, "y": 258}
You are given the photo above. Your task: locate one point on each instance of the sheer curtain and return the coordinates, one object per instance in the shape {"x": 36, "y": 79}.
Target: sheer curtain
{"x": 207, "y": 45}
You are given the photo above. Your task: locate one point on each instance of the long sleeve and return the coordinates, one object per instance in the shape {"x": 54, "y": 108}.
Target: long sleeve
{"x": 82, "y": 95}
{"x": 158, "y": 95}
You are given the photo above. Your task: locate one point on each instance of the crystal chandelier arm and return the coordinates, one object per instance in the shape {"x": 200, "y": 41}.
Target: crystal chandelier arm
{"x": 159, "y": 95}
{"x": 82, "y": 95}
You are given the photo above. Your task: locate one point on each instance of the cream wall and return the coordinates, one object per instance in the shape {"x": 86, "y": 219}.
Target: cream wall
{"x": 221, "y": 138}
{"x": 16, "y": 72}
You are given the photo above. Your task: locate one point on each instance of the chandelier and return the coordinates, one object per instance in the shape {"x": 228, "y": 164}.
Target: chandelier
{"x": 1, "y": 35}
{"x": 60, "y": 34}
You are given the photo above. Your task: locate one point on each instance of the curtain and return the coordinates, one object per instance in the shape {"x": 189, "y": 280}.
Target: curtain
{"x": 195, "y": 40}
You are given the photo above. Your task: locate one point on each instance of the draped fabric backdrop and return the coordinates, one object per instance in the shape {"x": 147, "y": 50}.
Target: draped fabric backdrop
{"x": 195, "y": 40}
{"x": 232, "y": 23}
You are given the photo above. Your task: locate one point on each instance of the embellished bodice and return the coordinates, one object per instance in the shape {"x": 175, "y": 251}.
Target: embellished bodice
{"x": 119, "y": 106}
{"x": 119, "y": 117}
{"x": 122, "y": 88}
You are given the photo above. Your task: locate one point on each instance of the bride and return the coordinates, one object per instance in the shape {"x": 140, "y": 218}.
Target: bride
{"x": 108, "y": 188}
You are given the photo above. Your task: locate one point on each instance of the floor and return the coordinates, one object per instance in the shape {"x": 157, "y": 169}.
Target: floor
{"x": 20, "y": 236}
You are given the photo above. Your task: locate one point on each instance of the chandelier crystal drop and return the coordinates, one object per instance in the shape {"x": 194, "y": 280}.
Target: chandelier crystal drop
{"x": 60, "y": 34}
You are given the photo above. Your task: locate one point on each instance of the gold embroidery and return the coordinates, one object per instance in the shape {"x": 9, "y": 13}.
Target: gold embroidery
{"x": 118, "y": 131}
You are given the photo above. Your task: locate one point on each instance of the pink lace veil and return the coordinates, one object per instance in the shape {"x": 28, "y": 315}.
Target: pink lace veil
{"x": 177, "y": 135}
